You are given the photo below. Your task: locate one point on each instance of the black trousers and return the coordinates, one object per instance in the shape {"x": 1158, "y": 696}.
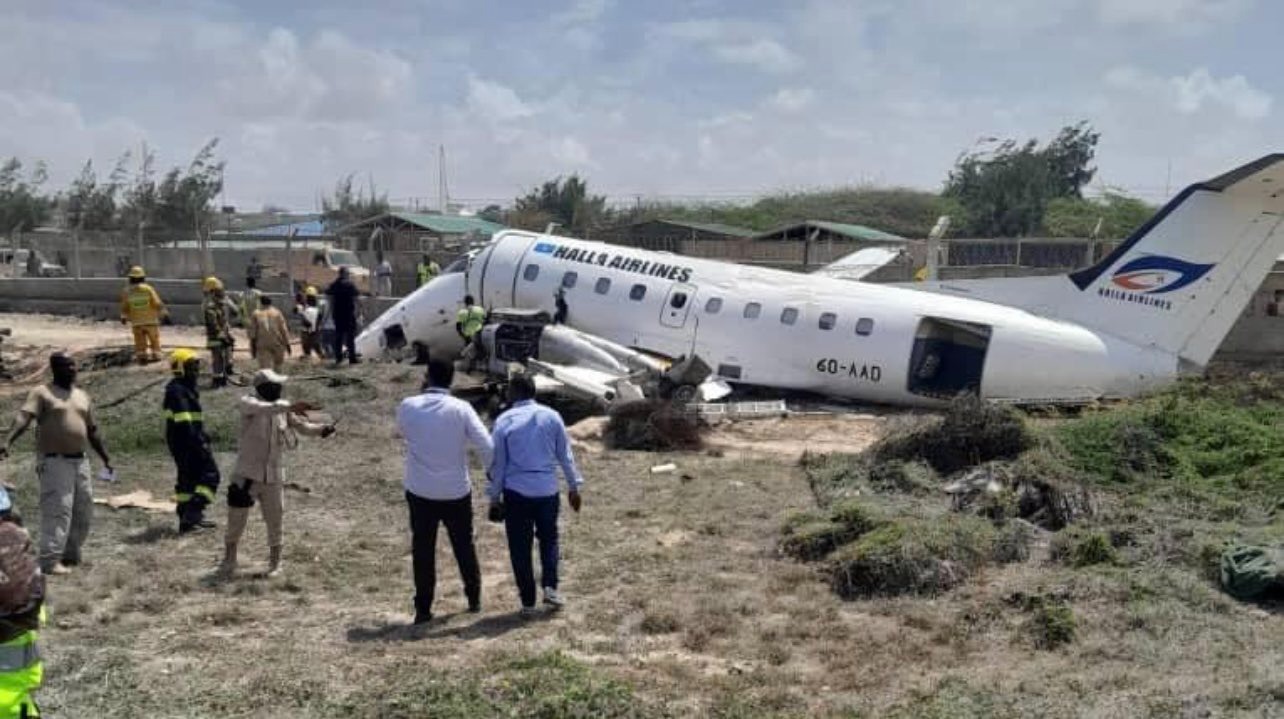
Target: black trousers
{"x": 345, "y": 337}
{"x": 195, "y": 487}
{"x": 457, "y": 515}
{"x": 525, "y": 520}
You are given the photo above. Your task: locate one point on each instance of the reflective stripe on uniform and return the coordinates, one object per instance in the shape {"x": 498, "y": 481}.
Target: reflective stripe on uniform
{"x": 181, "y": 497}
{"x": 205, "y": 492}
{"x": 15, "y": 658}
{"x": 184, "y": 416}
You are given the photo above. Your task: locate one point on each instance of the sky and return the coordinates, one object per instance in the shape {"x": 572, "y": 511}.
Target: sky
{"x": 652, "y": 99}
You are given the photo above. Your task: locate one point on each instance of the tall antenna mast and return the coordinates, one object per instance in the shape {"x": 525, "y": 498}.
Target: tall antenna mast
{"x": 443, "y": 195}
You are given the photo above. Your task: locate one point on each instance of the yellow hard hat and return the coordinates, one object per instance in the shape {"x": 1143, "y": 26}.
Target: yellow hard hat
{"x": 180, "y": 357}
{"x": 213, "y": 283}
{"x": 136, "y": 273}
{"x": 310, "y": 291}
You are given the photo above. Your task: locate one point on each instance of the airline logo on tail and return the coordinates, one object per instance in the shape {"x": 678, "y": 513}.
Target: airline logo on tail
{"x": 1143, "y": 280}
{"x": 1156, "y": 274}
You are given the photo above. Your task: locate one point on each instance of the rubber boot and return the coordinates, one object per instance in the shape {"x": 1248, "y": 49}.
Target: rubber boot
{"x": 274, "y": 562}
{"x": 228, "y": 566}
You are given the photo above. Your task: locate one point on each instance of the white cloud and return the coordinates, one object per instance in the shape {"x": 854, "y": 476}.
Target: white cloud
{"x": 792, "y": 99}
{"x": 1196, "y": 92}
{"x": 496, "y": 102}
{"x": 1199, "y": 88}
{"x": 767, "y": 55}
{"x": 582, "y": 12}
{"x": 735, "y": 42}
{"x": 1182, "y": 14}
{"x": 572, "y": 153}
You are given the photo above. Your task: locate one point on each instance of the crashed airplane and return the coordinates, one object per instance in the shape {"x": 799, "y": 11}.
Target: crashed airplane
{"x": 1155, "y": 308}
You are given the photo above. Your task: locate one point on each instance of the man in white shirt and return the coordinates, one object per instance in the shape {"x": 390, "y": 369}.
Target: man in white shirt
{"x": 437, "y": 429}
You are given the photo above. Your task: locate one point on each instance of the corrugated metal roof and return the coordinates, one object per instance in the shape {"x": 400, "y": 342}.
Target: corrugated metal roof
{"x": 713, "y": 227}
{"x": 311, "y": 228}
{"x": 450, "y": 224}
{"x": 856, "y": 232}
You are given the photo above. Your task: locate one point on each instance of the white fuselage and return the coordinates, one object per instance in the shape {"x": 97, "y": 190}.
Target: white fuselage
{"x": 786, "y": 330}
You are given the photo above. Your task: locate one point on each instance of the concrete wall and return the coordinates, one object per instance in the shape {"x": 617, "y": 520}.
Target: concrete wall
{"x": 100, "y": 298}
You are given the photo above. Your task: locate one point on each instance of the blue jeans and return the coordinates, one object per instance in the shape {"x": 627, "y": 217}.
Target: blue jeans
{"x": 526, "y": 518}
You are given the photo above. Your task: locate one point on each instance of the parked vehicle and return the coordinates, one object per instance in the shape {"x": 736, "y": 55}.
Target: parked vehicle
{"x": 21, "y": 263}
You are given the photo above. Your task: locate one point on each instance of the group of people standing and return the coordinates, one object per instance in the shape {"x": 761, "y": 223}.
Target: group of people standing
{"x": 522, "y": 455}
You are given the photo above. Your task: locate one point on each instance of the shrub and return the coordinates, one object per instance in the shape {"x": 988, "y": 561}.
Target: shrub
{"x": 652, "y": 426}
{"x": 972, "y": 432}
{"x": 913, "y": 556}
{"x": 1052, "y": 625}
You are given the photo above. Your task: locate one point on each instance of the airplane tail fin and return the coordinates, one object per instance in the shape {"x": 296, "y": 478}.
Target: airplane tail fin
{"x": 1179, "y": 282}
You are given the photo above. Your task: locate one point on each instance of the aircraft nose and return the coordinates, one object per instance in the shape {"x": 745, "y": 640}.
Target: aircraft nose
{"x": 425, "y": 316}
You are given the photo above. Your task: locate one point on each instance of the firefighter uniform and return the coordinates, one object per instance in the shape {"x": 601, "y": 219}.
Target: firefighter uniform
{"x": 22, "y": 591}
{"x": 218, "y": 330}
{"x": 198, "y": 476}
{"x": 142, "y": 308}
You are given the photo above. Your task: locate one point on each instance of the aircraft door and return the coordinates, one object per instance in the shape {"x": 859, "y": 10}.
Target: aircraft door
{"x": 677, "y": 306}
{"x": 497, "y": 276}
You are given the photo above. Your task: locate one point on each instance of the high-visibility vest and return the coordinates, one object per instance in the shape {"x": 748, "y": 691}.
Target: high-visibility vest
{"x": 21, "y": 671}
{"x": 471, "y": 319}
{"x": 141, "y": 305}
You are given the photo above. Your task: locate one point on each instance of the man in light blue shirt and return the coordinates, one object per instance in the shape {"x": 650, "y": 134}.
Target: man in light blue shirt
{"x": 530, "y": 443}
{"x": 438, "y": 428}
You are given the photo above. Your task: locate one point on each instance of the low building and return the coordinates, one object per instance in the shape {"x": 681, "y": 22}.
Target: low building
{"x": 675, "y": 236}
{"x": 818, "y": 242}
{"x": 418, "y": 232}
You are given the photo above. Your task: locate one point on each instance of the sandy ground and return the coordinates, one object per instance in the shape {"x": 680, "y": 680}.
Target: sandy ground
{"x": 783, "y": 438}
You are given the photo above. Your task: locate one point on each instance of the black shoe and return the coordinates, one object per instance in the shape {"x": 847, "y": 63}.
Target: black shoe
{"x": 71, "y": 561}
{"x": 422, "y": 618}
{"x": 474, "y": 606}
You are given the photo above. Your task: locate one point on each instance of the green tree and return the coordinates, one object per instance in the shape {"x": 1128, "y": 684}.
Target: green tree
{"x": 92, "y": 205}
{"x": 492, "y": 213}
{"x": 138, "y": 200}
{"x": 347, "y": 205}
{"x": 184, "y": 198}
{"x": 1113, "y": 216}
{"x": 1005, "y": 192}
{"x": 564, "y": 201}
{"x": 22, "y": 205}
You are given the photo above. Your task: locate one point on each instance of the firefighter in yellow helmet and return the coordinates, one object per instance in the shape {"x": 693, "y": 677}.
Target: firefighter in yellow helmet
{"x": 142, "y": 308}
{"x": 198, "y": 476}
{"x": 22, "y": 594}
{"x": 216, "y": 310}
{"x": 310, "y": 318}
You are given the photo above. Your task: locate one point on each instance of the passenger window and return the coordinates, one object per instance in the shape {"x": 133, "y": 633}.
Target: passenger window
{"x": 789, "y": 316}
{"x": 864, "y": 326}
{"x": 603, "y": 285}
{"x": 713, "y": 306}
{"x": 569, "y": 279}
{"x": 637, "y": 292}
{"x": 678, "y": 300}
{"x": 752, "y": 310}
{"x": 530, "y": 273}
{"x": 828, "y": 320}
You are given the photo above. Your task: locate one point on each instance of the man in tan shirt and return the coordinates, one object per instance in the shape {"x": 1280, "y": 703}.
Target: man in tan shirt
{"x": 268, "y": 427}
{"x": 269, "y": 335}
{"x": 65, "y": 427}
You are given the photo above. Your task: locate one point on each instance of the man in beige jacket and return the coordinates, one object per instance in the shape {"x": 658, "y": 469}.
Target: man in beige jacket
{"x": 268, "y": 427}
{"x": 269, "y": 335}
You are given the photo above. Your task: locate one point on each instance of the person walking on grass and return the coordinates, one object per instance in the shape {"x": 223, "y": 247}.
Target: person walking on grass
{"x": 65, "y": 428}
{"x": 530, "y": 443}
{"x": 437, "y": 429}
{"x": 269, "y": 335}
{"x": 343, "y": 310}
{"x": 268, "y": 427}
{"x": 141, "y": 308}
